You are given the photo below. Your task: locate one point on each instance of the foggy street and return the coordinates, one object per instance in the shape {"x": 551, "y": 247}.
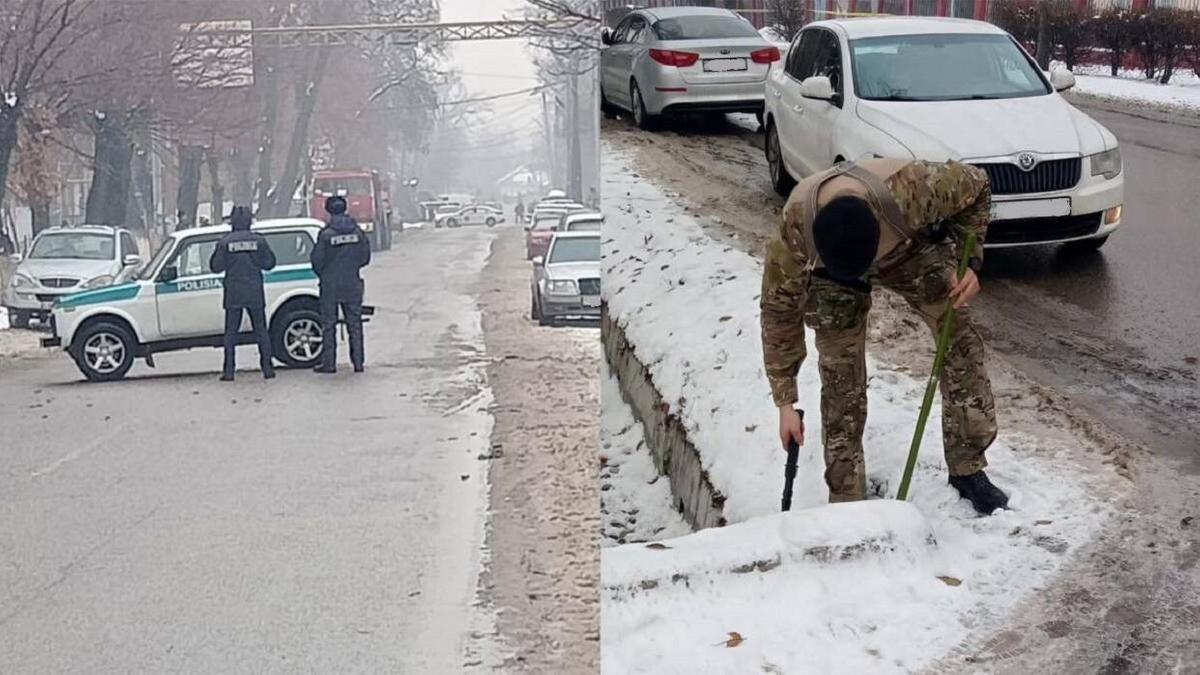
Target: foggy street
{"x": 171, "y": 522}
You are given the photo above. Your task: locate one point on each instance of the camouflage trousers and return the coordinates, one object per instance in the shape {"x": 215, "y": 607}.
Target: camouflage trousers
{"x": 838, "y": 315}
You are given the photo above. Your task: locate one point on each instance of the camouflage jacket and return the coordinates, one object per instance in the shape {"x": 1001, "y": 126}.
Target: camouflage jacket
{"x": 928, "y": 193}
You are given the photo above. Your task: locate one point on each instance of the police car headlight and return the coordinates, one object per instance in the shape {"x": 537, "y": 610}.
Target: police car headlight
{"x": 23, "y": 281}
{"x": 99, "y": 282}
{"x": 562, "y": 287}
{"x": 1107, "y": 163}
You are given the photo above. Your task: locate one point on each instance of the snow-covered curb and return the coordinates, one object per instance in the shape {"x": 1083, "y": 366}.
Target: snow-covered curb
{"x": 689, "y": 305}
{"x": 1182, "y": 94}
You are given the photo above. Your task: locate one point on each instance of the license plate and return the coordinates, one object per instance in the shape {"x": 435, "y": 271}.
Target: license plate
{"x": 591, "y": 301}
{"x": 724, "y": 65}
{"x": 1031, "y": 208}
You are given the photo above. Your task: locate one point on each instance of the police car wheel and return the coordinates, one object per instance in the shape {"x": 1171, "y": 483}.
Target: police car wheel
{"x": 451, "y": 222}
{"x": 297, "y": 337}
{"x": 104, "y": 351}
{"x": 490, "y": 222}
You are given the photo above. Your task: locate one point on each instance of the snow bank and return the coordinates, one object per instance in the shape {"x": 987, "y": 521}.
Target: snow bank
{"x": 689, "y": 304}
{"x": 635, "y": 501}
{"x": 1131, "y": 85}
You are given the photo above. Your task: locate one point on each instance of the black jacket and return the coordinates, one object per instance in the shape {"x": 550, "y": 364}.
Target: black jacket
{"x": 243, "y": 256}
{"x": 341, "y": 251}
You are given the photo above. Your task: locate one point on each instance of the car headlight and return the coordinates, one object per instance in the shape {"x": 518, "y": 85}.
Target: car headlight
{"x": 22, "y": 281}
{"x": 562, "y": 287}
{"x": 99, "y": 282}
{"x": 1107, "y": 163}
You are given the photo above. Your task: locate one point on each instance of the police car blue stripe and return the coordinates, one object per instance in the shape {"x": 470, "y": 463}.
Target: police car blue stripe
{"x": 127, "y": 291}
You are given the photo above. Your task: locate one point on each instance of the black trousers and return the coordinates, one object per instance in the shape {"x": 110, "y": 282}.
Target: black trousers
{"x": 352, "y": 312}
{"x": 258, "y": 321}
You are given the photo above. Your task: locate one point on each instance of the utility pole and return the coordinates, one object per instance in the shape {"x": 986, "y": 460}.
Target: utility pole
{"x": 574, "y": 154}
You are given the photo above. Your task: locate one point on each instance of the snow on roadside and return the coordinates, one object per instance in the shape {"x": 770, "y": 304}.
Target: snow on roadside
{"x": 1131, "y": 85}
{"x": 635, "y": 501}
{"x": 689, "y": 304}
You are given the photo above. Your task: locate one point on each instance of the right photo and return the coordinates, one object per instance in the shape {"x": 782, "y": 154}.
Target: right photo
{"x": 898, "y": 316}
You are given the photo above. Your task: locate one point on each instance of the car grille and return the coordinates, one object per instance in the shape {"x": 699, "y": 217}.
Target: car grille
{"x": 1034, "y": 230}
{"x": 589, "y": 287}
{"x": 58, "y": 282}
{"x": 47, "y": 297}
{"x": 1049, "y": 176}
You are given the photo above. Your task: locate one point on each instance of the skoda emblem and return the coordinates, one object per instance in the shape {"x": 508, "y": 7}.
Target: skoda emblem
{"x": 724, "y": 51}
{"x": 1026, "y": 160}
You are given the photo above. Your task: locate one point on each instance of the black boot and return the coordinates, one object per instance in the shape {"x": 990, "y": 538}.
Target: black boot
{"x": 984, "y": 496}
{"x": 227, "y": 377}
{"x": 325, "y": 370}
{"x": 359, "y": 368}
{"x": 269, "y": 374}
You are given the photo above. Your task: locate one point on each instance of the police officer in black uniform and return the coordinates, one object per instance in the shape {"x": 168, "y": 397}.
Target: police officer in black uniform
{"x": 341, "y": 251}
{"x": 243, "y": 256}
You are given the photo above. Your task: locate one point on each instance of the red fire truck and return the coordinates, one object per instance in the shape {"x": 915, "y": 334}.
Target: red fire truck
{"x": 366, "y": 198}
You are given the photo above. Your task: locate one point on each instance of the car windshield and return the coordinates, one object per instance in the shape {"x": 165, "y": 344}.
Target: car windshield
{"x": 951, "y": 67}
{"x": 703, "y": 27}
{"x": 584, "y": 226}
{"x": 342, "y": 186}
{"x": 74, "y": 246}
{"x": 148, "y": 268}
{"x": 546, "y": 221}
{"x": 575, "y": 249}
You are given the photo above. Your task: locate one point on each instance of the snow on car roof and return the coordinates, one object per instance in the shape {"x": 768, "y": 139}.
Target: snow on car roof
{"x": 587, "y": 215}
{"x": 906, "y": 25}
{"x": 106, "y": 229}
{"x": 576, "y": 234}
{"x": 267, "y": 224}
{"x": 670, "y": 12}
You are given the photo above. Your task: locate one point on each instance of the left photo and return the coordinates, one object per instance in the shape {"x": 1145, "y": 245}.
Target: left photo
{"x": 299, "y": 336}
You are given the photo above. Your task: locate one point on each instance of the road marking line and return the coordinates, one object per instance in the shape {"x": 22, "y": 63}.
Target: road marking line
{"x": 75, "y": 454}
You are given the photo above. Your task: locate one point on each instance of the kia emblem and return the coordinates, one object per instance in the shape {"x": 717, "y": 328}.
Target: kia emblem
{"x": 1027, "y": 160}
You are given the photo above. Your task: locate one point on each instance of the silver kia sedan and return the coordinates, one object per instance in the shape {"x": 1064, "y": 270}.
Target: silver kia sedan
{"x": 674, "y": 59}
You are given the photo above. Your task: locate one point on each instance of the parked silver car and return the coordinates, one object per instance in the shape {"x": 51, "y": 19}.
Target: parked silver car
{"x": 566, "y": 283}
{"x": 65, "y": 260}
{"x": 669, "y": 59}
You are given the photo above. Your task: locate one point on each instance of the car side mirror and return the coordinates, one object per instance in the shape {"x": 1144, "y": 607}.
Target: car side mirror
{"x": 131, "y": 259}
{"x": 1062, "y": 79}
{"x": 538, "y": 261}
{"x": 606, "y": 36}
{"x": 818, "y": 87}
{"x": 168, "y": 274}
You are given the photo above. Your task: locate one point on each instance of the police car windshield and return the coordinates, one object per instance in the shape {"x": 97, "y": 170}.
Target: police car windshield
{"x": 949, "y": 67}
{"x": 575, "y": 249}
{"x": 74, "y": 246}
{"x": 152, "y": 264}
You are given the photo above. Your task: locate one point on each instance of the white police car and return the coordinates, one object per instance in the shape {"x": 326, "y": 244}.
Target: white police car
{"x": 173, "y": 302}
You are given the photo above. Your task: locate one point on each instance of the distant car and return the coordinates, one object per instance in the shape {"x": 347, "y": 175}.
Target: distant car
{"x": 444, "y": 209}
{"x": 543, "y": 223}
{"x": 475, "y": 214}
{"x": 581, "y": 222}
{"x": 174, "y": 302}
{"x": 566, "y": 282}
{"x": 947, "y": 89}
{"x": 674, "y": 59}
{"x": 66, "y": 260}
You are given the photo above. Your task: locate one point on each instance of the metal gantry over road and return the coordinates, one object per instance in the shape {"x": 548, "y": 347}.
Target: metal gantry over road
{"x": 383, "y": 33}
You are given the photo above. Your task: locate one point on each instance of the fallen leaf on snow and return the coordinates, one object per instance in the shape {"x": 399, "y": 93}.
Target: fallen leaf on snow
{"x": 657, "y": 546}
{"x": 735, "y": 639}
{"x": 950, "y": 581}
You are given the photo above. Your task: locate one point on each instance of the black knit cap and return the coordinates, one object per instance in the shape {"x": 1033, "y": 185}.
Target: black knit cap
{"x": 846, "y": 236}
{"x": 335, "y": 205}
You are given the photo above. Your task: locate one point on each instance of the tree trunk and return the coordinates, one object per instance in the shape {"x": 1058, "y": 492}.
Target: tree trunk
{"x": 143, "y": 185}
{"x": 41, "y": 215}
{"x": 1114, "y": 60}
{"x": 243, "y": 184}
{"x": 1043, "y": 36}
{"x": 266, "y": 141}
{"x": 216, "y": 190}
{"x": 574, "y": 147}
{"x": 305, "y": 93}
{"x": 8, "y": 143}
{"x": 108, "y": 195}
{"x": 190, "y": 159}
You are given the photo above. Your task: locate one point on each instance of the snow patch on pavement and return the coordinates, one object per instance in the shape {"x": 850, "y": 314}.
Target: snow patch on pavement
{"x": 689, "y": 305}
{"x": 635, "y": 501}
{"x": 1131, "y": 85}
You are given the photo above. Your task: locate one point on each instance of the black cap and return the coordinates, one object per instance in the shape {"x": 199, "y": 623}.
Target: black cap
{"x": 239, "y": 218}
{"x": 335, "y": 205}
{"x": 846, "y": 236}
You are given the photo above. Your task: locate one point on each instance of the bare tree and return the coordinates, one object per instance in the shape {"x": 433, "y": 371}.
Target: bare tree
{"x": 787, "y": 17}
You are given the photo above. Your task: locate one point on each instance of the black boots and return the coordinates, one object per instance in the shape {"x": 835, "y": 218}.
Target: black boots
{"x": 976, "y": 488}
{"x": 325, "y": 370}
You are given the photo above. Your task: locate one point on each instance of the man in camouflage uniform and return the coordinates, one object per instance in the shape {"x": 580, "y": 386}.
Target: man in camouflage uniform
{"x": 895, "y": 224}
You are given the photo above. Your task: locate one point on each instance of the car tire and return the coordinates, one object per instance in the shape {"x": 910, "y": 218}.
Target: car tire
{"x": 490, "y": 222}
{"x": 104, "y": 351}
{"x": 781, "y": 181}
{"x": 19, "y": 319}
{"x": 1083, "y": 245}
{"x": 450, "y": 222}
{"x": 533, "y": 306}
{"x": 644, "y": 120}
{"x": 542, "y": 319}
{"x": 292, "y": 334}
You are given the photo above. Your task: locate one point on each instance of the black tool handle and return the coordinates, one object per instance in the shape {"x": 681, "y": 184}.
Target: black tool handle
{"x": 789, "y": 469}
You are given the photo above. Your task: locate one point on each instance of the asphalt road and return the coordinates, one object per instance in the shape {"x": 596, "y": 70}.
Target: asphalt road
{"x": 173, "y": 523}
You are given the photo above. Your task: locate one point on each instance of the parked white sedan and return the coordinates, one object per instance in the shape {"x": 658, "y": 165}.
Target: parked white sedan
{"x": 942, "y": 89}
{"x": 473, "y": 214}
